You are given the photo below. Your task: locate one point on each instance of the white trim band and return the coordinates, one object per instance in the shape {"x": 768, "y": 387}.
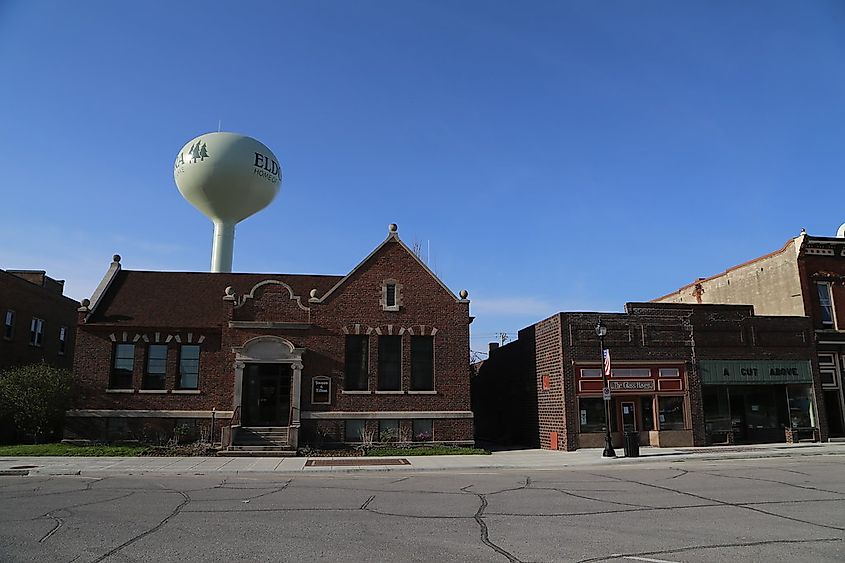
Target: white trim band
{"x": 106, "y": 413}
{"x": 370, "y": 415}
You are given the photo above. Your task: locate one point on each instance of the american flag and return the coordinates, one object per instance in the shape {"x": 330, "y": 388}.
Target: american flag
{"x": 606, "y": 356}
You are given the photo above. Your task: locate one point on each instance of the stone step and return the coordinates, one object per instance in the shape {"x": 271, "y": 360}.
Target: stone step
{"x": 276, "y": 443}
{"x": 261, "y": 439}
{"x": 251, "y": 436}
{"x": 266, "y": 448}
{"x": 257, "y": 451}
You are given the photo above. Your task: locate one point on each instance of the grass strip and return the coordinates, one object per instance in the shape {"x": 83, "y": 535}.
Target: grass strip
{"x": 70, "y": 450}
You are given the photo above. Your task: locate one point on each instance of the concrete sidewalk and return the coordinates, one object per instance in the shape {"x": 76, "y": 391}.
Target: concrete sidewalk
{"x": 516, "y": 459}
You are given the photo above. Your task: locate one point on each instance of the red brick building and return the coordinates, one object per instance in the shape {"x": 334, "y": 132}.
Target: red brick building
{"x": 804, "y": 277}
{"x": 677, "y": 373}
{"x": 277, "y": 360}
{"x": 38, "y": 321}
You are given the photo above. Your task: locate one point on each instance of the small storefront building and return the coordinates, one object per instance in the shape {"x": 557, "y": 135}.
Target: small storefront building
{"x": 748, "y": 401}
{"x": 649, "y": 399}
{"x": 680, "y": 375}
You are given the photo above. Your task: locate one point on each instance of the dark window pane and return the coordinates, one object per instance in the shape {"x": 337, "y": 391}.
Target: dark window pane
{"x": 354, "y": 431}
{"x": 591, "y": 415}
{"x": 124, "y": 360}
{"x": 391, "y": 295}
{"x": 62, "y": 339}
{"x": 671, "y": 413}
{"x": 189, "y": 367}
{"x": 36, "y": 332}
{"x": 422, "y": 431}
{"x": 156, "y": 367}
{"x": 824, "y": 302}
{"x": 388, "y": 430}
{"x": 356, "y": 363}
{"x": 9, "y": 324}
{"x": 422, "y": 363}
{"x": 647, "y": 410}
{"x": 389, "y": 363}
{"x": 157, "y": 359}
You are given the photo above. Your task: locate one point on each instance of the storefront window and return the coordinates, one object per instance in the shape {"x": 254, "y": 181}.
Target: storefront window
{"x": 800, "y": 406}
{"x": 647, "y": 408}
{"x": 764, "y": 408}
{"x": 592, "y": 415}
{"x": 717, "y": 411}
{"x": 671, "y": 413}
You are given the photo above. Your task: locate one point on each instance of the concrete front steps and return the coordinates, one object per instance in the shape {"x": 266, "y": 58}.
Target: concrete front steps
{"x": 260, "y": 441}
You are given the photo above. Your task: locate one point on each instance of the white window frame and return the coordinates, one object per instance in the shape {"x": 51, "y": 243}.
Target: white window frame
{"x": 829, "y": 290}
{"x": 830, "y": 355}
{"x": 830, "y": 371}
{"x": 36, "y": 332}
{"x": 397, "y": 295}
{"x": 597, "y": 374}
{"x": 9, "y": 322}
{"x": 62, "y": 340}
{"x": 665, "y": 372}
{"x": 617, "y": 372}
{"x": 829, "y": 364}
{"x": 178, "y": 383}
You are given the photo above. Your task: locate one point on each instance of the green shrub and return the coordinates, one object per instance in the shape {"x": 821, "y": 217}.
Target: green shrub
{"x": 35, "y": 398}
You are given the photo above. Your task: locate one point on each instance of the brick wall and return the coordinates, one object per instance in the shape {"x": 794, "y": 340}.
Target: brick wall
{"x": 648, "y": 333}
{"x": 354, "y": 308}
{"x": 547, "y": 355}
{"x": 29, "y": 295}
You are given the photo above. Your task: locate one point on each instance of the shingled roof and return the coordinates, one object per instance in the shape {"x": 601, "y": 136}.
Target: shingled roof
{"x": 187, "y": 299}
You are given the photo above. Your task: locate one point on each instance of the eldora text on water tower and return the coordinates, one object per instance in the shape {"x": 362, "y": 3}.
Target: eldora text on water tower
{"x": 267, "y": 168}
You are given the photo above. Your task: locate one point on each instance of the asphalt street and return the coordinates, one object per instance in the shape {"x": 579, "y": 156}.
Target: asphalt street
{"x": 775, "y": 509}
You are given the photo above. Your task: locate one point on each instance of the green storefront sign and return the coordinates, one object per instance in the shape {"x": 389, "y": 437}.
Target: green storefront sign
{"x": 761, "y": 372}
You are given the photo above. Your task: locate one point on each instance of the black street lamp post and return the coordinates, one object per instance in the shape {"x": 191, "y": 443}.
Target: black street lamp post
{"x": 601, "y": 330}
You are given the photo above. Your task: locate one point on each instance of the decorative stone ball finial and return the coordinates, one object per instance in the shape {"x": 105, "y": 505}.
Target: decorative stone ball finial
{"x": 464, "y": 294}
{"x": 393, "y": 227}
{"x": 116, "y": 258}
{"x": 86, "y": 303}
{"x": 313, "y": 293}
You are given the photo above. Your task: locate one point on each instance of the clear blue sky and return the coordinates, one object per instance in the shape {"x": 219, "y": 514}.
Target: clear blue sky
{"x": 556, "y": 155}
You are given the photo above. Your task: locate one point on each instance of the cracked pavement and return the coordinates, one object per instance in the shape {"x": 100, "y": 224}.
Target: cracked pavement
{"x": 681, "y": 510}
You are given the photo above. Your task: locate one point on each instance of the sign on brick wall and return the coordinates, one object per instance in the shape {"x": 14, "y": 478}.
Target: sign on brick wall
{"x": 761, "y": 372}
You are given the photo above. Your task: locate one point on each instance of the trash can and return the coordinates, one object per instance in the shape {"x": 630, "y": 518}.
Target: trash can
{"x": 632, "y": 444}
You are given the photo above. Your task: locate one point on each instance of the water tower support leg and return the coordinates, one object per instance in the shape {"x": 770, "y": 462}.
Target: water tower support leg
{"x": 223, "y": 247}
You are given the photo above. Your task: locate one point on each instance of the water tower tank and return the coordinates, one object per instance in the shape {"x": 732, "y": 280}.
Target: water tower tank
{"x": 228, "y": 177}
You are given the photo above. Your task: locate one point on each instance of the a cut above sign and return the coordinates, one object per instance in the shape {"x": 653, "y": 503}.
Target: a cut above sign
{"x": 761, "y": 372}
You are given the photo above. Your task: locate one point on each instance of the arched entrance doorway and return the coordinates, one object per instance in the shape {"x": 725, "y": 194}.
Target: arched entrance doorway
{"x": 268, "y": 382}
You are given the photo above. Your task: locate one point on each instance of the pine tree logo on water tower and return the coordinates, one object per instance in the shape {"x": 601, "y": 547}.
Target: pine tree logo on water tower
{"x": 198, "y": 151}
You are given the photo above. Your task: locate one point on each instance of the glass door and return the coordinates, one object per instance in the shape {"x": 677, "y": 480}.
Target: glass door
{"x": 629, "y": 416}
{"x": 266, "y": 395}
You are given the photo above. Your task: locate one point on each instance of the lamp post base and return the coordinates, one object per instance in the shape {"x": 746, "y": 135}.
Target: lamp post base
{"x": 608, "y": 447}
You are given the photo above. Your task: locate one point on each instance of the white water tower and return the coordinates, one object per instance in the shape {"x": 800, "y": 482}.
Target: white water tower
{"x": 228, "y": 177}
